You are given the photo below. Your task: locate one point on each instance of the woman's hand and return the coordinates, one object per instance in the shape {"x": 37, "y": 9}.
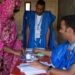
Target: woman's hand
{"x": 23, "y": 50}
{"x": 17, "y": 52}
{"x": 10, "y": 50}
{"x": 20, "y": 52}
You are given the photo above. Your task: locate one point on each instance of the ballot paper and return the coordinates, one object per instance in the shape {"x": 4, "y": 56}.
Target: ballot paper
{"x": 28, "y": 70}
{"x": 29, "y": 49}
{"x": 47, "y": 64}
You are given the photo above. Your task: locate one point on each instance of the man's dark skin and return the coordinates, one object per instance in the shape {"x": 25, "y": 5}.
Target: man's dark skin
{"x": 39, "y": 10}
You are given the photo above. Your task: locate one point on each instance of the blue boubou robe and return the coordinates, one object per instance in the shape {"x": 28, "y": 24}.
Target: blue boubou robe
{"x": 47, "y": 19}
{"x": 60, "y": 57}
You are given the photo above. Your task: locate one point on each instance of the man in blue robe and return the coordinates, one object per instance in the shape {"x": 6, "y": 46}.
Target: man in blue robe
{"x": 63, "y": 57}
{"x": 37, "y": 27}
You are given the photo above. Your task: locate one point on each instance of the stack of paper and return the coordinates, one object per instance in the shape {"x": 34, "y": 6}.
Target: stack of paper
{"x": 47, "y": 64}
{"x": 28, "y": 70}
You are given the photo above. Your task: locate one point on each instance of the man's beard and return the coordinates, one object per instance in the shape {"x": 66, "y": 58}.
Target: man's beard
{"x": 63, "y": 38}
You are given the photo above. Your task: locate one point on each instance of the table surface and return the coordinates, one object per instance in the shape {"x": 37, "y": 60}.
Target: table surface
{"x": 16, "y": 71}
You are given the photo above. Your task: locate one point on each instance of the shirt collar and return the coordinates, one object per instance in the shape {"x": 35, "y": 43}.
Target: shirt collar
{"x": 71, "y": 46}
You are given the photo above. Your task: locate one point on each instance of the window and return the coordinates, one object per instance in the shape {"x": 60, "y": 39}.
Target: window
{"x": 27, "y": 6}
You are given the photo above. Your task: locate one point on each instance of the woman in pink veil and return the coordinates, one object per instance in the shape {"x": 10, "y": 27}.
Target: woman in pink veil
{"x": 10, "y": 46}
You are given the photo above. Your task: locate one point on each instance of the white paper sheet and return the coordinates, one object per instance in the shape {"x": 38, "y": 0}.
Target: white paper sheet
{"x": 28, "y": 70}
{"x": 47, "y": 64}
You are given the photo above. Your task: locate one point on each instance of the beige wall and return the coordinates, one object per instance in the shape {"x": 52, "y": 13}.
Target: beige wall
{"x": 0, "y": 0}
{"x": 66, "y": 7}
{"x": 51, "y": 5}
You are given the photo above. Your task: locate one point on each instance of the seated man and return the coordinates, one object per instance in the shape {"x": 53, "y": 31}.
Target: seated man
{"x": 63, "y": 57}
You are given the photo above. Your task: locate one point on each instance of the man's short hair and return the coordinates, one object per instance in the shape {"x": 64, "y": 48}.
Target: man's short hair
{"x": 69, "y": 21}
{"x": 41, "y": 2}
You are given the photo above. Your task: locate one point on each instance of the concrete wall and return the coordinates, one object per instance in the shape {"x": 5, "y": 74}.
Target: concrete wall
{"x": 65, "y": 7}
{"x": 0, "y": 0}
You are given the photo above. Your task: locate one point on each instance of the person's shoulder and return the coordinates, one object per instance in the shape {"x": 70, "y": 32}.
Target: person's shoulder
{"x": 63, "y": 44}
{"x": 30, "y": 12}
{"x": 49, "y": 14}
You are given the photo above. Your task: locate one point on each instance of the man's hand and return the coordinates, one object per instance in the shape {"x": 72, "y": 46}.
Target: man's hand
{"x": 46, "y": 52}
{"x": 38, "y": 65}
{"x": 37, "y": 50}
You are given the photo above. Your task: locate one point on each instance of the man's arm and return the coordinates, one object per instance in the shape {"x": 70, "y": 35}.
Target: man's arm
{"x": 54, "y": 71}
{"x": 47, "y": 37}
{"x": 27, "y": 34}
{"x": 71, "y": 71}
{"x": 46, "y": 52}
{"x": 60, "y": 72}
